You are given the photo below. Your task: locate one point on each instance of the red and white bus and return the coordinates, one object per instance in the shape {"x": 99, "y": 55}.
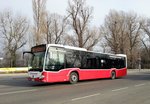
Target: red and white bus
{"x": 59, "y": 63}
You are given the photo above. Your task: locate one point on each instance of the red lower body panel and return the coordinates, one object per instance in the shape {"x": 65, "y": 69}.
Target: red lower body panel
{"x": 84, "y": 74}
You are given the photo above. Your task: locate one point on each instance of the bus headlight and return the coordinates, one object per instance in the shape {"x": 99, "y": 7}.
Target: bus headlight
{"x": 41, "y": 77}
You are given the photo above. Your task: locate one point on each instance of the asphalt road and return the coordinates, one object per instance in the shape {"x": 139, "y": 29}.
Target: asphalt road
{"x": 132, "y": 89}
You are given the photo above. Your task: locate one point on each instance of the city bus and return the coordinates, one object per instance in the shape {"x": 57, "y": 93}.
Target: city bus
{"x": 59, "y": 63}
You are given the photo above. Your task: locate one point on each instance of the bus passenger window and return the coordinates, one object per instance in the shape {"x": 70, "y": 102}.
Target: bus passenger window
{"x": 89, "y": 62}
{"x": 103, "y": 62}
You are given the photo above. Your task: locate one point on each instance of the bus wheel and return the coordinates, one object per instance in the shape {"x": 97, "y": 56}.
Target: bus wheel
{"x": 73, "y": 78}
{"x": 113, "y": 75}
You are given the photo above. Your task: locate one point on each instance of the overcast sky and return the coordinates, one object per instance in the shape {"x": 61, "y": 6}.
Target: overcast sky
{"x": 101, "y": 7}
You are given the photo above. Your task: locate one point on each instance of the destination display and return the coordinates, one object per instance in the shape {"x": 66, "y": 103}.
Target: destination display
{"x": 41, "y": 48}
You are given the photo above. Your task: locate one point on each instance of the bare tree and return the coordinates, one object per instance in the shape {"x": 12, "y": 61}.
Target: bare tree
{"x": 145, "y": 39}
{"x": 92, "y": 38}
{"x": 55, "y": 28}
{"x": 39, "y": 13}
{"x": 113, "y": 31}
{"x": 80, "y": 16}
{"x": 133, "y": 34}
{"x": 122, "y": 33}
{"x": 146, "y": 30}
{"x": 13, "y": 30}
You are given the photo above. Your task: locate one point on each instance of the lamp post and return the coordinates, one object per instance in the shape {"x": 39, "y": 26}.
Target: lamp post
{"x": 139, "y": 61}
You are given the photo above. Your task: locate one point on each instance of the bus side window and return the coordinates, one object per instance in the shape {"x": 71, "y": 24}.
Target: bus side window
{"x": 69, "y": 60}
{"x": 98, "y": 63}
{"x": 92, "y": 63}
{"x": 77, "y": 62}
{"x": 88, "y": 63}
{"x": 113, "y": 63}
{"x": 116, "y": 63}
{"x": 103, "y": 62}
{"x": 122, "y": 64}
{"x": 73, "y": 59}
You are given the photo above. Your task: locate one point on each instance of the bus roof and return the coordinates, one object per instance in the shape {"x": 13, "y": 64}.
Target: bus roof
{"x": 122, "y": 55}
{"x": 83, "y": 49}
{"x": 67, "y": 47}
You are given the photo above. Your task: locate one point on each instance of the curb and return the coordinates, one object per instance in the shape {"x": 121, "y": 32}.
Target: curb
{"x": 8, "y": 70}
{"x": 137, "y": 70}
{"x": 11, "y": 72}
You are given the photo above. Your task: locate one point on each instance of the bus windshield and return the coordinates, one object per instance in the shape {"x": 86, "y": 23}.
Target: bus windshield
{"x": 54, "y": 59}
{"x": 37, "y": 61}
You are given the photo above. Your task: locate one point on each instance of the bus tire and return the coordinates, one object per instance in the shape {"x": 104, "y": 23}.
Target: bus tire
{"x": 113, "y": 75}
{"x": 73, "y": 79}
